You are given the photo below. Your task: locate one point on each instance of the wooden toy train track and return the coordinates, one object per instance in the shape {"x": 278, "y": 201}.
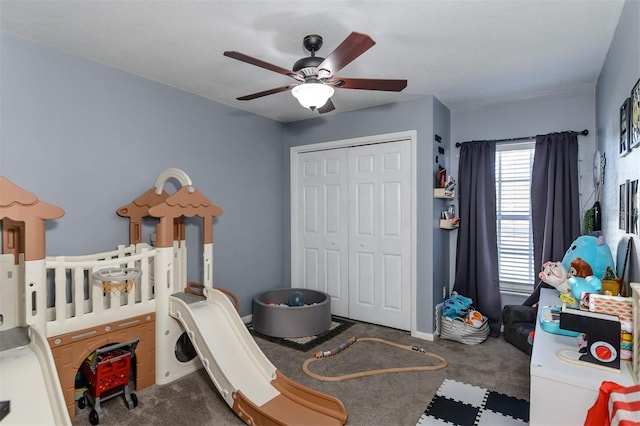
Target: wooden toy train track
{"x": 352, "y": 341}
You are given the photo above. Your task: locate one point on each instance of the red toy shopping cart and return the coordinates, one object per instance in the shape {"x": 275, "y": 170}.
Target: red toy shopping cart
{"x": 107, "y": 371}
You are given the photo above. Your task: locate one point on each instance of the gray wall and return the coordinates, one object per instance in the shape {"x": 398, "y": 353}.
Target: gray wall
{"x": 570, "y": 111}
{"x": 443, "y": 240}
{"x": 417, "y": 114}
{"x": 90, "y": 139}
{"x": 619, "y": 73}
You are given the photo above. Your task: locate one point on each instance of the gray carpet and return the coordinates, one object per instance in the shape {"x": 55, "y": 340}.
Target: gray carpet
{"x": 392, "y": 399}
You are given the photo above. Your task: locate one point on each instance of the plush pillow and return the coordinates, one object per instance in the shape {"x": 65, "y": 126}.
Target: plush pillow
{"x": 592, "y": 250}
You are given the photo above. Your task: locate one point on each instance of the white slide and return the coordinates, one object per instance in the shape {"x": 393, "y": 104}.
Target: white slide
{"x": 29, "y": 386}
{"x": 244, "y": 376}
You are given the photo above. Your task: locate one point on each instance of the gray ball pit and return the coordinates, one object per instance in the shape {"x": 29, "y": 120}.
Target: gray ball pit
{"x": 291, "y": 321}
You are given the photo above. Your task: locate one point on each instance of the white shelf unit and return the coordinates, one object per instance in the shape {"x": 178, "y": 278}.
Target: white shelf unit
{"x": 448, "y": 224}
{"x": 443, "y": 193}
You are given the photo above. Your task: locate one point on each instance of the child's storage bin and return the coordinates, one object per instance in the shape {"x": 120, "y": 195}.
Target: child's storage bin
{"x": 460, "y": 331}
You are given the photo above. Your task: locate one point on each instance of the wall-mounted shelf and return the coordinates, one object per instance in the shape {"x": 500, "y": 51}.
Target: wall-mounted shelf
{"x": 449, "y": 224}
{"x": 443, "y": 193}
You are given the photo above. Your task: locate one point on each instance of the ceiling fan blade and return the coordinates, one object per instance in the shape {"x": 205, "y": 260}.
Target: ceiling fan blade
{"x": 328, "y": 107}
{"x": 352, "y": 47}
{"x": 370, "y": 84}
{"x": 258, "y": 62}
{"x": 266, "y": 92}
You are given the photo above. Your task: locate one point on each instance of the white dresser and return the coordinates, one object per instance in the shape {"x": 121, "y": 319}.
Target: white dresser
{"x": 563, "y": 392}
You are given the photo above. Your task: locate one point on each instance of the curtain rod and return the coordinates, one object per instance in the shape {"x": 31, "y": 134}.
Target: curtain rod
{"x": 585, "y": 132}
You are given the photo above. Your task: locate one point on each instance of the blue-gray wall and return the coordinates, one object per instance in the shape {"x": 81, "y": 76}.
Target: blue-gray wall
{"x": 570, "y": 111}
{"x": 417, "y": 114}
{"x": 90, "y": 139}
{"x": 620, "y": 72}
{"x": 443, "y": 240}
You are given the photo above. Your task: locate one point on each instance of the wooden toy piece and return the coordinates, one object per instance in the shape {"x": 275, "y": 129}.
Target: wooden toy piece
{"x": 442, "y": 363}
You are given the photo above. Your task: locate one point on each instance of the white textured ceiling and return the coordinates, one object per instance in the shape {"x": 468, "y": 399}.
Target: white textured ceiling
{"x": 466, "y": 53}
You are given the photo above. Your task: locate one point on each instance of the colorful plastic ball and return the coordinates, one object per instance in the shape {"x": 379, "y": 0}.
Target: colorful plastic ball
{"x": 296, "y": 298}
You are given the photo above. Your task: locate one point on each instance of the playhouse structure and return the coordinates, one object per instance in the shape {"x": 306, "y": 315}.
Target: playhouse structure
{"x": 56, "y": 311}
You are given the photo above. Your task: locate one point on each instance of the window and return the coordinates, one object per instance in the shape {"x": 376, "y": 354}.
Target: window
{"x": 513, "y": 196}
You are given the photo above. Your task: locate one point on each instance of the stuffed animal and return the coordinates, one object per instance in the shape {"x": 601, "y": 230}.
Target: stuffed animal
{"x": 586, "y": 257}
{"x": 555, "y": 274}
{"x": 592, "y": 250}
{"x": 579, "y": 285}
{"x": 580, "y": 268}
{"x": 456, "y": 306}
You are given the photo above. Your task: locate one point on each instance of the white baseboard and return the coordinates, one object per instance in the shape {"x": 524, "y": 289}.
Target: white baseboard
{"x": 424, "y": 336}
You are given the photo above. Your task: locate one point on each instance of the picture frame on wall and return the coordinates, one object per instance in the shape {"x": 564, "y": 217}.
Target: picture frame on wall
{"x": 634, "y": 117}
{"x": 623, "y": 214}
{"x": 625, "y": 127}
{"x": 633, "y": 208}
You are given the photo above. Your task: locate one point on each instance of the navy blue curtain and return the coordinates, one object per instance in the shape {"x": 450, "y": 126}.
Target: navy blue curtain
{"x": 555, "y": 205}
{"x": 477, "y": 246}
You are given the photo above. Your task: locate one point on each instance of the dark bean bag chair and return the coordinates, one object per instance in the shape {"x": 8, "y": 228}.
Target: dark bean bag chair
{"x": 519, "y": 321}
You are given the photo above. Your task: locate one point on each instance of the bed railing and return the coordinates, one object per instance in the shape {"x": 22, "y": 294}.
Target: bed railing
{"x": 77, "y": 300}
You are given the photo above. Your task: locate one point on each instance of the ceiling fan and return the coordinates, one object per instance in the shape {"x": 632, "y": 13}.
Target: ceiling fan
{"x": 315, "y": 76}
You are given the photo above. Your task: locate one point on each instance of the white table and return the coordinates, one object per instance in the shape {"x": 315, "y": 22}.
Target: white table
{"x": 563, "y": 392}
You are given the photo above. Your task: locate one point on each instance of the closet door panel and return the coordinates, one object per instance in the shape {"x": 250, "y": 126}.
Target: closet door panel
{"x": 353, "y": 230}
{"x": 322, "y": 226}
{"x": 379, "y": 232}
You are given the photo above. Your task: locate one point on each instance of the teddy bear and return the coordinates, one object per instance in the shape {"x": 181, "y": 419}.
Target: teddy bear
{"x": 581, "y": 279}
{"x": 580, "y": 268}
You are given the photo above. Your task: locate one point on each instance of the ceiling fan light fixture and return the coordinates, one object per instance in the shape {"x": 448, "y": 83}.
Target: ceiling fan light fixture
{"x": 312, "y": 95}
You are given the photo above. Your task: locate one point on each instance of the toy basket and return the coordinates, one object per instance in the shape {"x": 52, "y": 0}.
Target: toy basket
{"x": 458, "y": 330}
{"x": 107, "y": 372}
{"x": 117, "y": 280}
{"x": 110, "y": 370}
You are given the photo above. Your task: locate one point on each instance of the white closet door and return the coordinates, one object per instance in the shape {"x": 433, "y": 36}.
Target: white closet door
{"x": 322, "y": 225}
{"x": 379, "y": 234}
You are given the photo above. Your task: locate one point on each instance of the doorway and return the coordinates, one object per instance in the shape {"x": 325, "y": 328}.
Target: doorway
{"x": 353, "y": 222}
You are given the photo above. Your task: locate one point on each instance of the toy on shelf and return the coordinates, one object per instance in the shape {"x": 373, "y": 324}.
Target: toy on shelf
{"x": 593, "y": 251}
{"x": 582, "y": 267}
{"x": 550, "y": 321}
{"x": 610, "y": 283}
{"x": 555, "y": 274}
{"x": 600, "y": 345}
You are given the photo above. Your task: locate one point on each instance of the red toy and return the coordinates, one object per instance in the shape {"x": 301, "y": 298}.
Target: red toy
{"x": 107, "y": 371}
